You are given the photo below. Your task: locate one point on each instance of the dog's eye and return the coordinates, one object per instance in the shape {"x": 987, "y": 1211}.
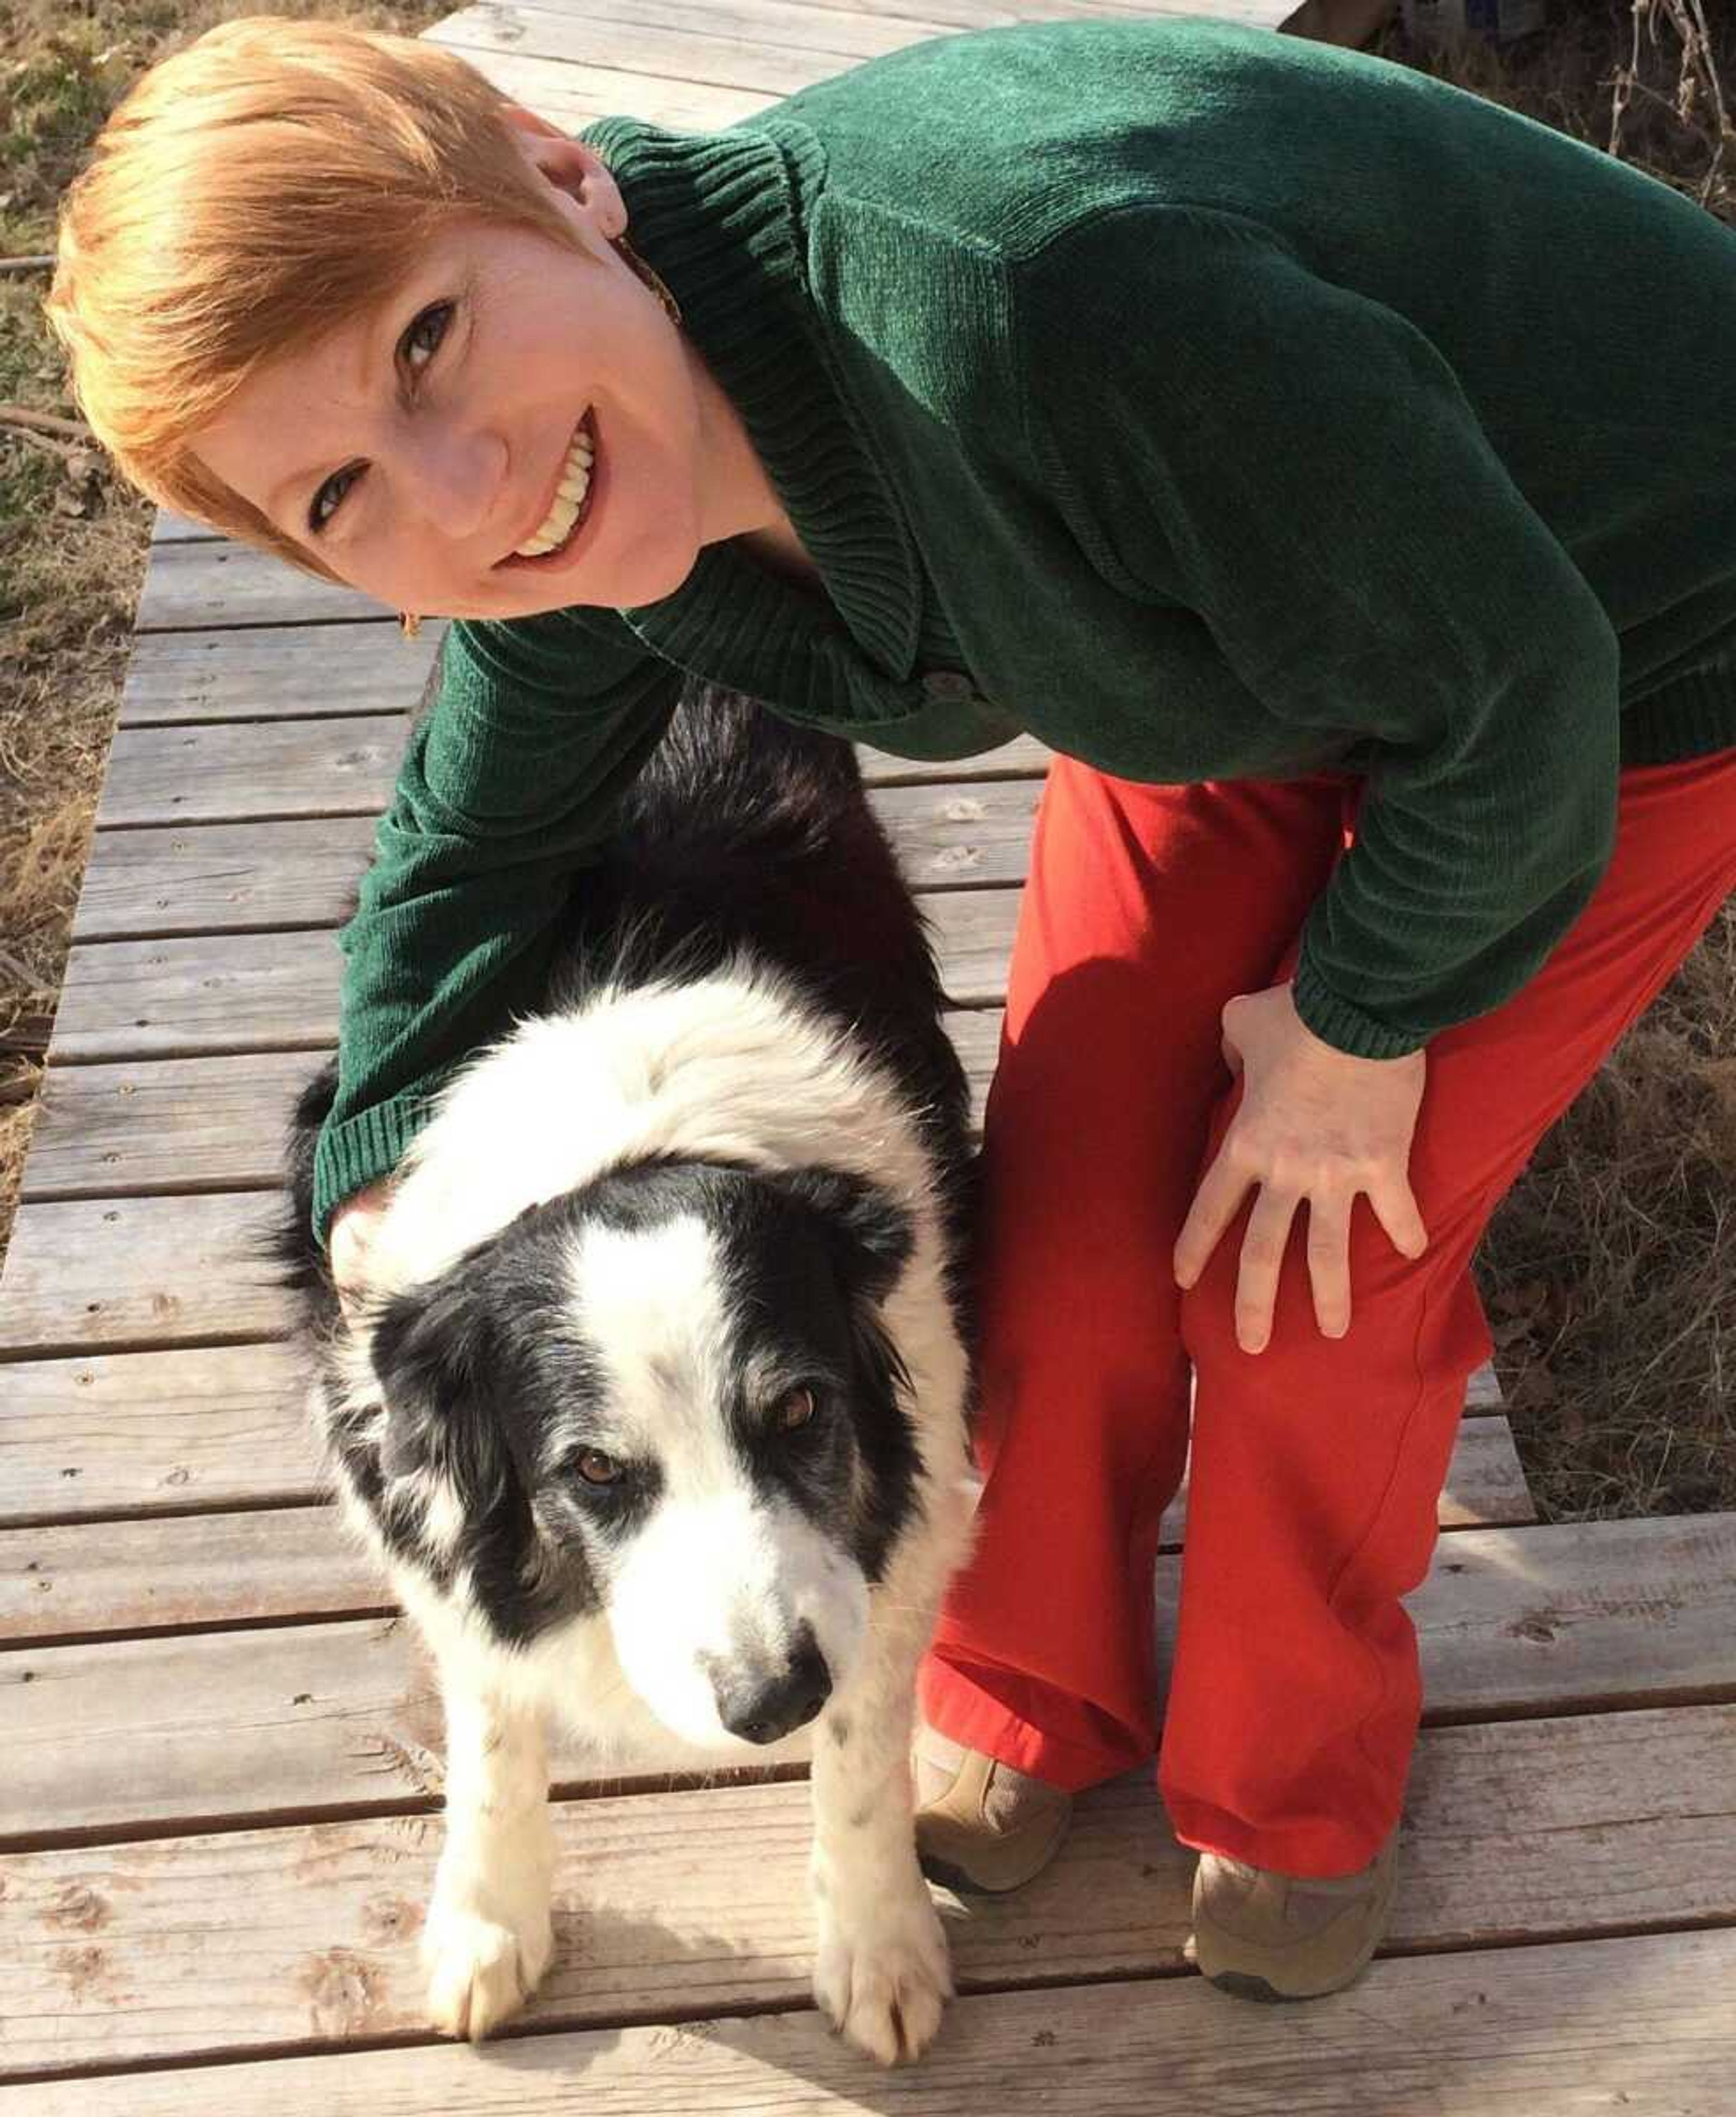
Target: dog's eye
{"x": 796, "y": 1409}
{"x": 597, "y": 1468}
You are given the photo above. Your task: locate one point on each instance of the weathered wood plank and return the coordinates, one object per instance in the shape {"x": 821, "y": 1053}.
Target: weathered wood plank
{"x": 164, "y": 1124}
{"x": 743, "y": 52}
{"x": 1640, "y": 2024}
{"x": 257, "y": 876}
{"x": 195, "y": 586}
{"x": 180, "y": 996}
{"x": 109, "y": 1431}
{"x": 240, "y": 771}
{"x": 227, "y": 992}
{"x": 197, "y": 774}
{"x": 231, "y": 771}
{"x": 204, "y": 877}
{"x": 695, "y": 1899}
{"x": 1603, "y": 1612}
{"x": 573, "y": 95}
{"x": 210, "y": 676}
{"x": 116, "y": 1272}
{"x": 69, "y": 1580}
{"x": 223, "y": 878}
{"x": 225, "y": 1426}
{"x": 572, "y": 70}
{"x": 142, "y": 1733}
{"x": 301, "y": 1719}
{"x": 179, "y": 1124}
{"x": 1483, "y": 1393}
{"x": 189, "y": 1570}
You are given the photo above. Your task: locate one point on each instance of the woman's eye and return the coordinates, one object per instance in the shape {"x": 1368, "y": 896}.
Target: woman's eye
{"x": 443, "y": 309}
{"x": 597, "y": 1468}
{"x": 796, "y": 1409}
{"x": 318, "y": 516}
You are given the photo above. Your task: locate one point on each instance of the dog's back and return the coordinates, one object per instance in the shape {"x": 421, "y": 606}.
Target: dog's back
{"x": 744, "y": 837}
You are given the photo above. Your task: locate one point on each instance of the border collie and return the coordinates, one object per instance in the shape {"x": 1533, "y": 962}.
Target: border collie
{"x": 654, "y": 1407}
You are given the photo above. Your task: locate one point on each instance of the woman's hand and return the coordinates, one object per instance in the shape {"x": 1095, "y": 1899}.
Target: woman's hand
{"x": 353, "y": 1226}
{"x": 1313, "y": 1123}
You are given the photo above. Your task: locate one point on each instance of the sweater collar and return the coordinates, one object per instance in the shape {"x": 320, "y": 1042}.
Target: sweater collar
{"x": 723, "y": 219}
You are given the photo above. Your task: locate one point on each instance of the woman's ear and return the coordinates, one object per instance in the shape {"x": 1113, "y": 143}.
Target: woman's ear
{"x": 572, "y": 167}
{"x": 530, "y": 121}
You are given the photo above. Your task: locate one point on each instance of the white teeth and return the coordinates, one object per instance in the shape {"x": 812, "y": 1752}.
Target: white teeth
{"x": 576, "y": 481}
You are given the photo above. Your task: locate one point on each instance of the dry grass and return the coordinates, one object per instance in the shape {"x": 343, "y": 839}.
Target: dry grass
{"x": 73, "y": 540}
{"x": 1609, "y": 1272}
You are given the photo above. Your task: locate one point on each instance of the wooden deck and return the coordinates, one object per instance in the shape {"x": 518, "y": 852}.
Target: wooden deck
{"x": 218, "y": 1795}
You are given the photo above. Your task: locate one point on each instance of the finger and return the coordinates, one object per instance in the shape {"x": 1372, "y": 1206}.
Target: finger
{"x": 1262, "y": 1258}
{"x": 1329, "y": 1262}
{"x": 1232, "y": 1055}
{"x": 1214, "y": 1207}
{"x": 1396, "y": 1208}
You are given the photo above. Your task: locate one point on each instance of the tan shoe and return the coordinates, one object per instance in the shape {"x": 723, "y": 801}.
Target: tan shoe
{"x": 1267, "y": 1936}
{"x": 981, "y": 1825}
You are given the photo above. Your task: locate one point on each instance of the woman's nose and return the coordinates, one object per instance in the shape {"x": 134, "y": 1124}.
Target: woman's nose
{"x": 459, "y": 482}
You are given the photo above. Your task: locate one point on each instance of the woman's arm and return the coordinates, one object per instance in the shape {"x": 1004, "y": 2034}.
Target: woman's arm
{"x": 510, "y": 778}
{"x": 1297, "y": 465}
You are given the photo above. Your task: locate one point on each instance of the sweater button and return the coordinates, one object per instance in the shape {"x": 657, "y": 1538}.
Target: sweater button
{"x": 948, "y": 684}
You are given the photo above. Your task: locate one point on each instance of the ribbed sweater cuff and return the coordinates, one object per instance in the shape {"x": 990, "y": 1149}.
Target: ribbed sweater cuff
{"x": 363, "y": 1149}
{"x": 1345, "y": 1027}
{"x": 1693, "y": 716}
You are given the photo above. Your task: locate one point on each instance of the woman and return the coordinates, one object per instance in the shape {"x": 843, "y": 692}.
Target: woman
{"x": 1338, "y": 473}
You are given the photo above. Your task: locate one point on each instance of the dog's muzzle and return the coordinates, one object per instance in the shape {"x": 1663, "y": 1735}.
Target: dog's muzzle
{"x": 763, "y": 1705}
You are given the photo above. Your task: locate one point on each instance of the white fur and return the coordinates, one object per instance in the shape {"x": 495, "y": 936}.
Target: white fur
{"x": 734, "y": 1066}
{"x": 731, "y": 1066}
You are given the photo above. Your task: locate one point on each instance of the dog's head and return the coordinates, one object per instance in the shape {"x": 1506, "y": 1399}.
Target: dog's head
{"x": 668, "y": 1399}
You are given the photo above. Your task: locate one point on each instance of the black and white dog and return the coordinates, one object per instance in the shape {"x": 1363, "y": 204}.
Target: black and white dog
{"x": 655, "y": 1404}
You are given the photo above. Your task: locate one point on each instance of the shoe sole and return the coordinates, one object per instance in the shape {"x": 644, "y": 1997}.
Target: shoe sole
{"x": 1247, "y": 1984}
{"x": 1243, "y": 1985}
{"x": 950, "y": 1877}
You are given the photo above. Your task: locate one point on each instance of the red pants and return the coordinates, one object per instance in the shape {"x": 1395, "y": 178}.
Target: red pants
{"x": 1317, "y": 1463}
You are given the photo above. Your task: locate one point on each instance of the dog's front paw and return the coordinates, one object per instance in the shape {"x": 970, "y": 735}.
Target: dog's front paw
{"x": 481, "y": 1971}
{"x": 883, "y": 1974}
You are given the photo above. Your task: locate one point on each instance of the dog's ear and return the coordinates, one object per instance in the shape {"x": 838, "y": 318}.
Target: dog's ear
{"x": 434, "y": 1354}
{"x": 871, "y": 1234}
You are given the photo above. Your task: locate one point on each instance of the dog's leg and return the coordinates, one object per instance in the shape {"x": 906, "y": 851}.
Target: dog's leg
{"x": 488, "y": 1938}
{"x": 882, "y": 1973}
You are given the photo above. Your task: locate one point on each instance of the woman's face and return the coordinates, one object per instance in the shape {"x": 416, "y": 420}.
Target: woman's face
{"x": 427, "y": 441}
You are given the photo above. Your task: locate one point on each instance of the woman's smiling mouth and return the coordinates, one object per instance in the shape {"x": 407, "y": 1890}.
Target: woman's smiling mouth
{"x": 570, "y": 507}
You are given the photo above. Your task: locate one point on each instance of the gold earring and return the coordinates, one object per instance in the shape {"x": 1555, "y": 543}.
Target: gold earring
{"x": 637, "y": 263}
{"x": 408, "y": 625}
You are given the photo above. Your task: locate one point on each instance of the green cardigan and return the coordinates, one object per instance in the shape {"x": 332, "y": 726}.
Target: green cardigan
{"x": 1205, "y": 402}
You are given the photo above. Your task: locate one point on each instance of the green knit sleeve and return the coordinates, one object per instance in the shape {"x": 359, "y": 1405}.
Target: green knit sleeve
{"x": 536, "y": 726}
{"x": 1297, "y": 466}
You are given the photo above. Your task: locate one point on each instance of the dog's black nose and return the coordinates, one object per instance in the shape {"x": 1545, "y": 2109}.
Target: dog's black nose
{"x": 761, "y": 1709}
